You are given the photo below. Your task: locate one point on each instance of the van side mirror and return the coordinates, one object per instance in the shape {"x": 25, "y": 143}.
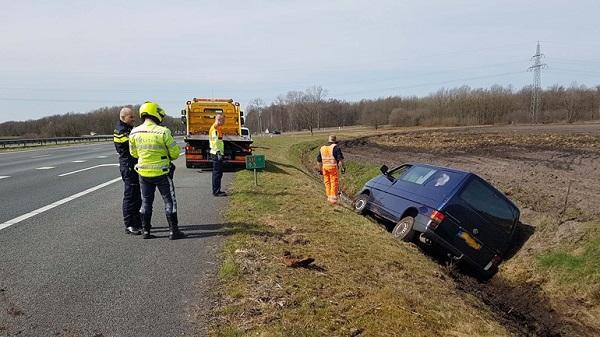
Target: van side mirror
{"x": 384, "y": 169}
{"x": 242, "y": 120}
{"x": 183, "y": 120}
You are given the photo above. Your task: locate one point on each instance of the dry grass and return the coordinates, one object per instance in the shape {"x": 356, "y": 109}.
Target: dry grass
{"x": 362, "y": 283}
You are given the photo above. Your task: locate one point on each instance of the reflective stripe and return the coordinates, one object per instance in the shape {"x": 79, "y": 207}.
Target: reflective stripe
{"x": 123, "y": 139}
{"x": 149, "y": 147}
{"x": 173, "y": 144}
{"x": 151, "y": 166}
{"x": 172, "y": 188}
{"x": 327, "y": 157}
{"x": 147, "y": 131}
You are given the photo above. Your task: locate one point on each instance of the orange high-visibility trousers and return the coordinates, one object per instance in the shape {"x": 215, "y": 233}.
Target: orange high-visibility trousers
{"x": 332, "y": 183}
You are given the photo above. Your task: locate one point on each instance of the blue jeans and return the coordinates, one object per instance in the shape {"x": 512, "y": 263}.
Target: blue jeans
{"x": 167, "y": 190}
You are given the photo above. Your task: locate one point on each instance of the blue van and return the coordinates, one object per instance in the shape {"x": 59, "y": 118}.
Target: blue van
{"x": 457, "y": 210}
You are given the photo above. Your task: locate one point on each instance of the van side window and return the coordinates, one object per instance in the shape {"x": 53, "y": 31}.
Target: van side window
{"x": 489, "y": 204}
{"x": 399, "y": 171}
{"x": 418, "y": 174}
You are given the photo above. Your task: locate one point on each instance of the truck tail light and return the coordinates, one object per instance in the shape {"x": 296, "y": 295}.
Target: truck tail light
{"x": 191, "y": 150}
{"x": 436, "y": 218}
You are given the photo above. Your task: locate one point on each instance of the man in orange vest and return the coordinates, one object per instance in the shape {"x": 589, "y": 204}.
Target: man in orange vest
{"x": 331, "y": 159}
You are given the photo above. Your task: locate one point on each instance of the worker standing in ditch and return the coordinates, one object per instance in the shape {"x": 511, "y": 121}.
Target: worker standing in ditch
{"x": 155, "y": 149}
{"x": 132, "y": 200}
{"x": 331, "y": 161}
{"x": 217, "y": 150}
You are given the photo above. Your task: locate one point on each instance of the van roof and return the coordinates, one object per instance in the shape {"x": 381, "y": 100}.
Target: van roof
{"x": 457, "y": 171}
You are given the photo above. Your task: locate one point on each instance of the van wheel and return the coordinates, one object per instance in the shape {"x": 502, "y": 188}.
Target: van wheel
{"x": 360, "y": 204}
{"x": 404, "y": 229}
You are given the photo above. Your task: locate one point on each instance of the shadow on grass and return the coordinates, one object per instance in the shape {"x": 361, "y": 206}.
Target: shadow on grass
{"x": 207, "y": 230}
{"x": 273, "y": 167}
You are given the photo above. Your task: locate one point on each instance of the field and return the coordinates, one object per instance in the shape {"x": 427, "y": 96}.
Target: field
{"x": 364, "y": 283}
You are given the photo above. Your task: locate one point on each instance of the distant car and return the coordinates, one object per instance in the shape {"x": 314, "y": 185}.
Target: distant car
{"x": 457, "y": 210}
{"x": 245, "y": 132}
{"x": 275, "y": 132}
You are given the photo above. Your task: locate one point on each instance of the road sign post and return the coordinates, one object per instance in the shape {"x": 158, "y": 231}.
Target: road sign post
{"x": 255, "y": 162}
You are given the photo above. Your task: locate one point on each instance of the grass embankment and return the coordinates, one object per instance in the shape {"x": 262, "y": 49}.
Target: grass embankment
{"x": 362, "y": 282}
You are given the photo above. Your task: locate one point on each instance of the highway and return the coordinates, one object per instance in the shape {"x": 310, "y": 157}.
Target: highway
{"x": 67, "y": 268}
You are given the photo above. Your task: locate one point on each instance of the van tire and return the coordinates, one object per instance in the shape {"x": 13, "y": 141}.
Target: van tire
{"x": 404, "y": 229}
{"x": 360, "y": 204}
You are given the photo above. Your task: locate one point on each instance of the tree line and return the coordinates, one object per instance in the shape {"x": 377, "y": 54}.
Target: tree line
{"x": 100, "y": 121}
{"x": 311, "y": 109}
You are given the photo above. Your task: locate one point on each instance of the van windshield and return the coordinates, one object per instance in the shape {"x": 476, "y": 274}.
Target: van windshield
{"x": 489, "y": 204}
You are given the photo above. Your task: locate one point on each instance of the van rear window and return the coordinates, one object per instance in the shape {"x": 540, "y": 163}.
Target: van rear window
{"x": 489, "y": 204}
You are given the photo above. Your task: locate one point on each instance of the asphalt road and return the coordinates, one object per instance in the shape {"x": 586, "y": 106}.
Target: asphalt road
{"x": 68, "y": 268}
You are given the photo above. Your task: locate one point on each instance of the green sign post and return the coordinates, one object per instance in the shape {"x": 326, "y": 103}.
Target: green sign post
{"x": 255, "y": 162}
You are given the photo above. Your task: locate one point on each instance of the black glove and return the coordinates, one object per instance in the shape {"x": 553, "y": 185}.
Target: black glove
{"x": 343, "y": 170}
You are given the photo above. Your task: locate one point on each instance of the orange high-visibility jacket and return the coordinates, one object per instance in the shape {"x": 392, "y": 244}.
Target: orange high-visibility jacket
{"x": 327, "y": 157}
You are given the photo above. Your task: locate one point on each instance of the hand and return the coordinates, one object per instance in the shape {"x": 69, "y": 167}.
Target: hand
{"x": 320, "y": 172}
{"x": 343, "y": 170}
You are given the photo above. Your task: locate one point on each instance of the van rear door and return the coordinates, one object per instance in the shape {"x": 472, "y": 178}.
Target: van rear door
{"x": 486, "y": 220}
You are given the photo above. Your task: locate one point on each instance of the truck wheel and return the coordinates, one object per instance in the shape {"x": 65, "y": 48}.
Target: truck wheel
{"x": 360, "y": 204}
{"x": 404, "y": 229}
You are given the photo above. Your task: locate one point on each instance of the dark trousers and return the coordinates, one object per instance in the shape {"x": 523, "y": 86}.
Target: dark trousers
{"x": 167, "y": 190}
{"x": 132, "y": 199}
{"x": 217, "y": 173}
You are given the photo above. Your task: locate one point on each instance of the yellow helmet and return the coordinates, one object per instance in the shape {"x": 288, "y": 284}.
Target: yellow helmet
{"x": 152, "y": 109}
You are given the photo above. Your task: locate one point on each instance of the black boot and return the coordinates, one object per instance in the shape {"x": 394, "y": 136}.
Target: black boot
{"x": 146, "y": 222}
{"x": 173, "y": 226}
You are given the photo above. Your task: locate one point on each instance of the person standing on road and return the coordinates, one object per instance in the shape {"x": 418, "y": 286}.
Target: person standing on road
{"x": 217, "y": 150}
{"x": 132, "y": 200}
{"x": 331, "y": 159}
{"x": 155, "y": 149}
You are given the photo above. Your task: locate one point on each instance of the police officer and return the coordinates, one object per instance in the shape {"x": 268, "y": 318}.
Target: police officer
{"x": 132, "y": 199}
{"x": 217, "y": 150}
{"x": 155, "y": 148}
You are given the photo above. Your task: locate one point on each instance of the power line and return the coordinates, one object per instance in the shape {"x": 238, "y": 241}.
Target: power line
{"x": 536, "y": 97}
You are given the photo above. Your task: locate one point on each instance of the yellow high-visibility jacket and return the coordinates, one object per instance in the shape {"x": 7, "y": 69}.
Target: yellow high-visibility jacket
{"x": 154, "y": 147}
{"x": 215, "y": 137}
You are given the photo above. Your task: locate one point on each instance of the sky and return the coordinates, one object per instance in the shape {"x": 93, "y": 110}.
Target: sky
{"x": 75, "y": 56}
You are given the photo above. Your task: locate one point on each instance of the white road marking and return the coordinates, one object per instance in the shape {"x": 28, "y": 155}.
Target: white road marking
{"x": 101, "y": 157}
{"x": 78, "y": 161}
{"x": 44, "y": 155}
{"x": 55, "y": 204}
{"x": 45, "y": 168}
{"x": 4, "y": 177}
{"x": 85, "y": 169}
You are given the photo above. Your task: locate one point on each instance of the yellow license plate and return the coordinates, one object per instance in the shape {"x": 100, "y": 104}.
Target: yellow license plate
{"x": 470, "y": 240}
